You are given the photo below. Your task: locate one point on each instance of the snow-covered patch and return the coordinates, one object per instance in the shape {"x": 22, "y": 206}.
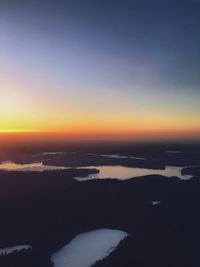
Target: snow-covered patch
{"x": 9, "y": 250}
{"x": 87, "y": 248}
{"x": 154, "y": 203}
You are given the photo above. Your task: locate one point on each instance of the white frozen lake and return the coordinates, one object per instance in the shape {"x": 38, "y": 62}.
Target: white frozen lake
{"x": 9, "y": 250}
{"x": 123, "y": 173}
{"x": 36, "y": 166}
{"x": 87, "y": 248}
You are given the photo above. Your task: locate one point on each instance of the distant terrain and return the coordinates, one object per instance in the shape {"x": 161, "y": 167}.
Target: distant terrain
{"x": 47, "y": 209}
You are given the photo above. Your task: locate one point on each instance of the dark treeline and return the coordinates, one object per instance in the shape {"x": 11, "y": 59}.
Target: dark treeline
{"x": 155, "y": 153}
{"x": 25, "y": 258}
{"x": 46, "y": 210}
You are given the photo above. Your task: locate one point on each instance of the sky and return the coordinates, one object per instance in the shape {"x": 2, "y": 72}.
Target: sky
{"x": 100, "y": 68}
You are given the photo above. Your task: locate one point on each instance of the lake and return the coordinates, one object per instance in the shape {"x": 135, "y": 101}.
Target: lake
{"x": 36, "y": 166}
{"x": 122, "y": 173}
{"x": 118, "y": 172}
{"x": 87, "y": 248}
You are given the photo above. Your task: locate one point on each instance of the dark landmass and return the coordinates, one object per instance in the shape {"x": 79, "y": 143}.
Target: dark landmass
{"x": 155, "y": 154}
{"x": 47, "y": 209}
{"x": 84, "y": 160}
{"x": 30, "y": 258}
{"x": 194, "y": 171}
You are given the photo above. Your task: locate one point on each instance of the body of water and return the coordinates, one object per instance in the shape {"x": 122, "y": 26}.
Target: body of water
{"x": 118, "y": 172}
{"x": 5, "y": 251}
{"x": 123, "y": 173}
{"x": 36, "y": 166}
{"x": 87, "y": 248}
{"x": 116, "y": 156}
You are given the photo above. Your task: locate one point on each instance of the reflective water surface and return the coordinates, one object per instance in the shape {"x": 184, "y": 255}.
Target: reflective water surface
{"x": 122, "y": 173}
{"x": 118, "y": 172}
{"x": 36, "y": 166}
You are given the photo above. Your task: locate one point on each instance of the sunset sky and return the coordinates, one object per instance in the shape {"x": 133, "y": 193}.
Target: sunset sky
{"x": 100, "y": 68}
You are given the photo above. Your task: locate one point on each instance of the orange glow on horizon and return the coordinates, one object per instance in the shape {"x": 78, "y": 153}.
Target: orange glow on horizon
{"x": 52, "y": 89}
{"x": 34, "y": 135}
{"x": 29, "y": 115}
{"x": 15, "y": 131}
